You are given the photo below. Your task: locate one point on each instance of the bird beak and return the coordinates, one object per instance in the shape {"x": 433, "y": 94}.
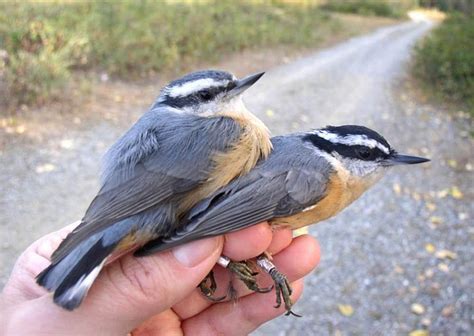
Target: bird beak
{"x": 243, "y": 84}
{"x": 399, "y": 159}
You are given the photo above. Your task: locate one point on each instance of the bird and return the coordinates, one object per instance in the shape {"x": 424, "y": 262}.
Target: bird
{"x": 308, "y": 177}
{"x": 195, "y": 138}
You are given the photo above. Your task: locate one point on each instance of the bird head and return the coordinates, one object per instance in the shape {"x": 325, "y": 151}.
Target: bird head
{"x": 359, "y": 150}
{"x": 207, "y": 92}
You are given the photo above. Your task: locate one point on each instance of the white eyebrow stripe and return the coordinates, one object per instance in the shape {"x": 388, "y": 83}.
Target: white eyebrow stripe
{"x": 194, "y": 86}
{"x": 353, "y": 139}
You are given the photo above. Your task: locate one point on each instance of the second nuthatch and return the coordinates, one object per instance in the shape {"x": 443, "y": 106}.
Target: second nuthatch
{"x": 195, "y": 139}
{"x": 308, "y": 177}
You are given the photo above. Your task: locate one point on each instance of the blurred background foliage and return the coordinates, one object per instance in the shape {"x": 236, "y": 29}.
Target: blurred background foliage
{"x": 464, "y": 6}
{"x": 444, "y": 61}
{"x": 370, "y": 7}
{"x": 43, "y": 43}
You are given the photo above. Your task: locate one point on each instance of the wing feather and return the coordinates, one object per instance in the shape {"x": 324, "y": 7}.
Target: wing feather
{"x": 171, "y": 163}
{"x": 242, "y": 204}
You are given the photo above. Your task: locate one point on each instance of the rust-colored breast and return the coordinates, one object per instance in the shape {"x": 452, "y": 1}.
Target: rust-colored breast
{"x": 253, "y": 144}
{"x": 339, "y": 194}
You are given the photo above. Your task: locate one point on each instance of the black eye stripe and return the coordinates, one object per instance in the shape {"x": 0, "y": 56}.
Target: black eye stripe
{"x": 357, "y": 130}
{"x": 369, "y": 154}
{"x": 210, "y": 93}
{"x": 202, "y": 95}
{"x": 225, "y": 79}
{"x": 348, "y": 151}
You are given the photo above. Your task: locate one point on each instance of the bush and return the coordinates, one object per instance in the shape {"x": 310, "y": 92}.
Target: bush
{"x": 465, "y": 6}
{"x": 45, "y": 41}
{"x": 445, "y": 59}
{"x": 35, "y": 78}
{"x": 39, "y": 51}
{"x": 364, "y": 7}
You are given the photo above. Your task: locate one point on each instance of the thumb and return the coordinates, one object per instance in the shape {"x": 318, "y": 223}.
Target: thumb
{"x": 131, "y": 290}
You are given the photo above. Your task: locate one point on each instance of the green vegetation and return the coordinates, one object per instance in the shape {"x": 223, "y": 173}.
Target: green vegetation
{"x": 370, "y": 7}
{"x": 464, "y": 6}
{"x": 445, "y": 59}
{"x": 42, "y": 43}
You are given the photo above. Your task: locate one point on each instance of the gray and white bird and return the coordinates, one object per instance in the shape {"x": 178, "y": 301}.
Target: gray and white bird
{"x": 196, "y": 138}
{"x": 307, "y": 178}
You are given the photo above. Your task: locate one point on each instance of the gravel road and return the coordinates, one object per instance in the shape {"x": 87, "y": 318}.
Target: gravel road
{"x": 399, "y": 259}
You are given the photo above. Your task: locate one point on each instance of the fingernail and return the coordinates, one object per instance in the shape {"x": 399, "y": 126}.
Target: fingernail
{"x": 193, "y": 253}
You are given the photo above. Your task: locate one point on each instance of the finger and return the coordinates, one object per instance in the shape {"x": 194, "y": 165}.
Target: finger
{"x": 281, "y": 239}
{"x": 166, "y": 323}
{"x": 305, "y": 252}
{"x": 296, "y": 261}
{"x": 46, "y": 245}
{"x": 21, "y": 285}
{"x": 238, "y": 319}
{"x": 247, "y": 243}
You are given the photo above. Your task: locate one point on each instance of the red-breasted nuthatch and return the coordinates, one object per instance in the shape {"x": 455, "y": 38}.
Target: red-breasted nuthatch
{"x": 195, "y": 139}
{"x": 307, "y": 178}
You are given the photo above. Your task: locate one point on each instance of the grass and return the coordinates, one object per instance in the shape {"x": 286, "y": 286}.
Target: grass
{"x": 394, "y": 9}
{"x": 445, "y": 60}
{"x": 43, "y": 43}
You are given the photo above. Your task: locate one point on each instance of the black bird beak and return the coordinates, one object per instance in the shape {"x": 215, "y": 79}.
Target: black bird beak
{"x": 399, "y": 159}
{"x": 243, "y": 84}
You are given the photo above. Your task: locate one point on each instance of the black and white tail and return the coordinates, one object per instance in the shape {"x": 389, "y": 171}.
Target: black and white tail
{"x": 71, "y": 275}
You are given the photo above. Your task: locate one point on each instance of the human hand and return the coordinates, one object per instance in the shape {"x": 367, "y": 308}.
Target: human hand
{"x": 157, "y": 294}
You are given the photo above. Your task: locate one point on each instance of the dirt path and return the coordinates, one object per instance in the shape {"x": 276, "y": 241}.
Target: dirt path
{"x": 384, "y": 253}
{"x": 376, "y": 255}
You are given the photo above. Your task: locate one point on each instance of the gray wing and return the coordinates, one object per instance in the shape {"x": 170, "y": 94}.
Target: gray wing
{"x": 162, "y": 157}
{"x": 251, "y": 199}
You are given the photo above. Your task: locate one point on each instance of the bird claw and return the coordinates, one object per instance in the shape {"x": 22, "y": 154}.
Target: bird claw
{"x": 244, "y": 273}
{"x": 208, "y": 290}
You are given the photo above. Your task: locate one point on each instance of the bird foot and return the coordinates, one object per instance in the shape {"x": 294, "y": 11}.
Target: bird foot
{"x": 283, "y": 288}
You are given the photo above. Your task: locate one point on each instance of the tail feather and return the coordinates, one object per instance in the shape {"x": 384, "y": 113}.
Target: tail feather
{"x": 72, "y": 272}
{"x": 70, "y": 297}
{"x": 52, "y": 277}
{"x": 71, "y": 277}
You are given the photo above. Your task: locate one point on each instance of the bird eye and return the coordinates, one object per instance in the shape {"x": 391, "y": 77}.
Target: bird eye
{"x": 205, "y": 95}
{"x": 364, "y": 153}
